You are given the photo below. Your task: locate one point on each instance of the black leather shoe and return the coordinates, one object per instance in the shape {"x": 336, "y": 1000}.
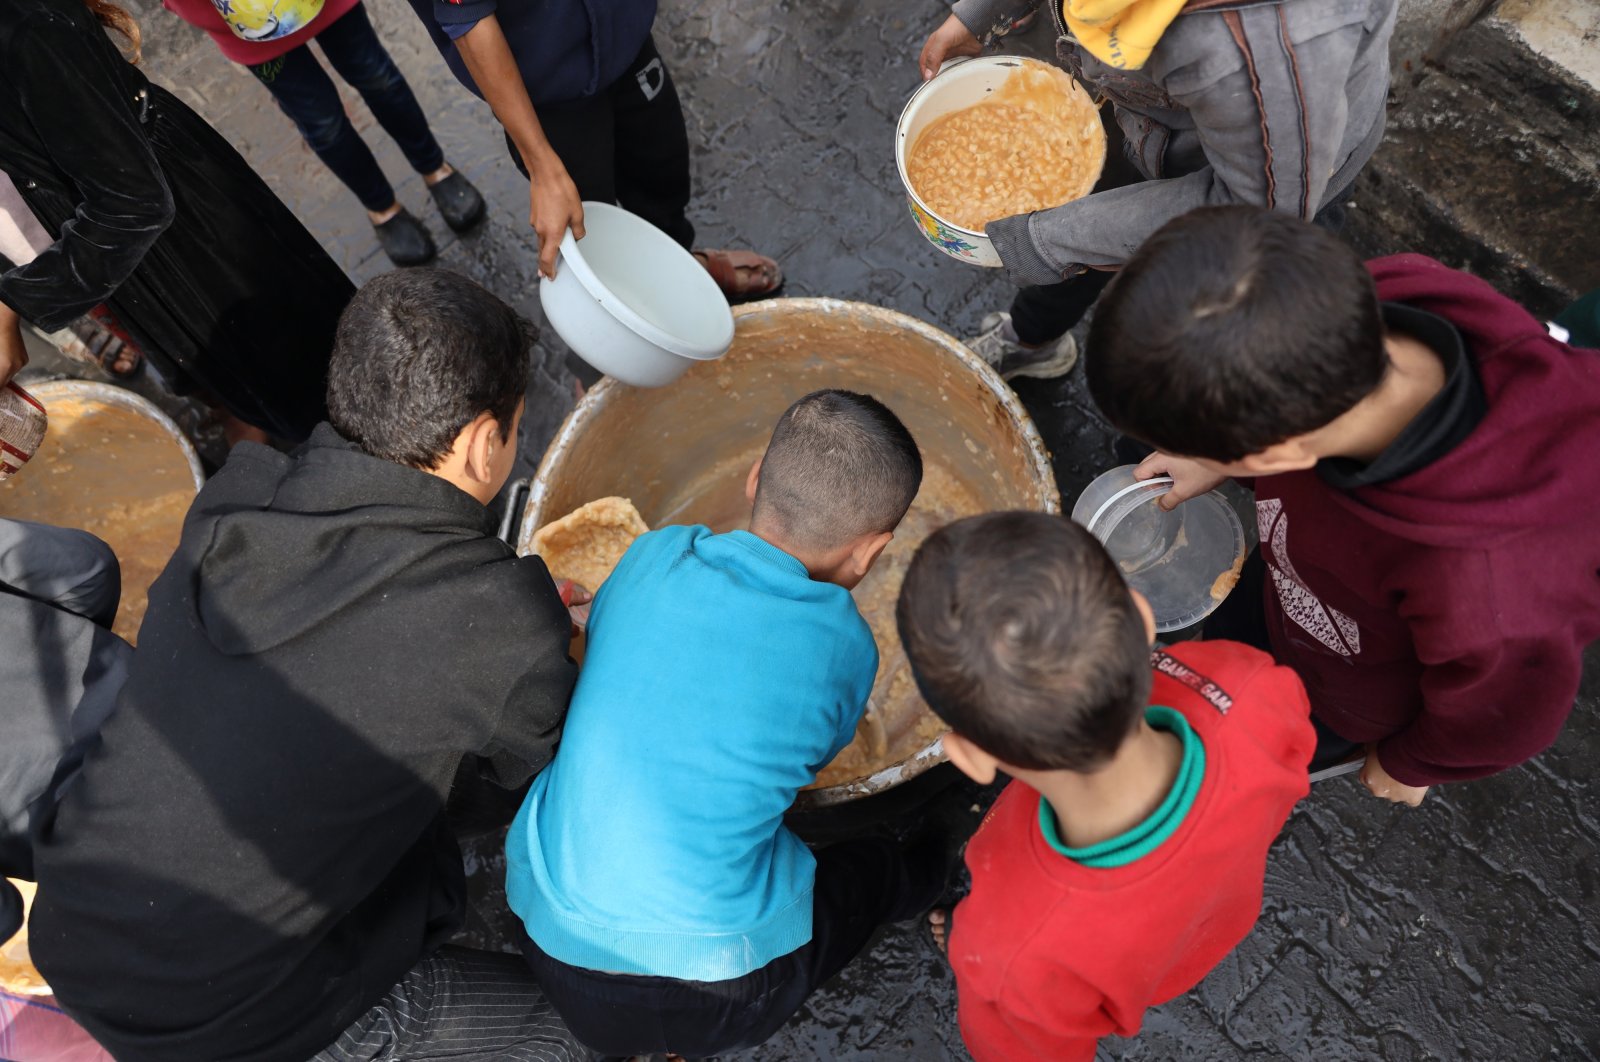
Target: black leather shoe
{"x": 459, "y": 202}
{"x": 404, "y": 240}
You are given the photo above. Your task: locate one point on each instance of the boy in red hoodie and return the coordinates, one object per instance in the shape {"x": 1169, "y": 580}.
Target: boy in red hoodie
{"x": 1422, "y": 453}
{"x": 1127, "y": 858}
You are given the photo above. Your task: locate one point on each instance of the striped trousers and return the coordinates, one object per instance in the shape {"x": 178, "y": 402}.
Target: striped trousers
{"x": 462, "y": 1005}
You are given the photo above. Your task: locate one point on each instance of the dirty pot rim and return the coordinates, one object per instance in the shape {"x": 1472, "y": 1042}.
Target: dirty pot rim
{"x": 1039, "y": 454}
{"x": 111, "y": 394}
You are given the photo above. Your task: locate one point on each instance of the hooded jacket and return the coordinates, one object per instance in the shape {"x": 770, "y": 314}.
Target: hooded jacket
{"x": 1273, "y": 103}
{"x": 1443, "y": 614}
{"x": 257, "y": 852}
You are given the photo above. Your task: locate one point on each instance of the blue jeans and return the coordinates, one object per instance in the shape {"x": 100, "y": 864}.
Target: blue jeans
{"x": 308, "y": 96}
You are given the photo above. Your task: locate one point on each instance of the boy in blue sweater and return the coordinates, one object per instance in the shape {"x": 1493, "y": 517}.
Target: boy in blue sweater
{"x": 667, "y": 907}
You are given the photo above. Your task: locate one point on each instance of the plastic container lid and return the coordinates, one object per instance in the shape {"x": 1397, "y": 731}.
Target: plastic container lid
{"x": 1184, "y": 562}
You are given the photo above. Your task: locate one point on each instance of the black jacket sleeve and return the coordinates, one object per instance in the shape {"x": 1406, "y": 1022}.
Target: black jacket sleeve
{"x": 530, "y": 725}
{"x": 91, "y": 131}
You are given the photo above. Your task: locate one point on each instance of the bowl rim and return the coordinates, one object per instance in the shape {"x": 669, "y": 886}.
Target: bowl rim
{"x": 1241, "y": 546}
{"x": 565, "y": 440}
{"x": 1149, "y": 489}
{"x": 927, "y": 87}
{"x": 572, "y": 257}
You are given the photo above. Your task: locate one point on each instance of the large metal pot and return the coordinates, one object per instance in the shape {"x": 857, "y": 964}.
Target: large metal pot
{"x": 114, "y": 464}
{"x": 681, "y": 453}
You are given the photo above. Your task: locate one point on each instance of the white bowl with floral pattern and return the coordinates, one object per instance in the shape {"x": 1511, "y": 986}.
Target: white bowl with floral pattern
{"x": 960, "y": 83}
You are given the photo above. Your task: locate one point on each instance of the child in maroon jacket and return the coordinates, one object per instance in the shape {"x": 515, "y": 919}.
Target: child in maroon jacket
{"x": 1127, "y": 858}
{"x": 1423, "y": 460}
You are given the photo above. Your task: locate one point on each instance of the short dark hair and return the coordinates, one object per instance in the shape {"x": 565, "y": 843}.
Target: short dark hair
{"x": 1024, "y": 638}
{"x": 1232, "y": 329}
{"x": 840, "y": 465}
{"x": 419, "y": 354}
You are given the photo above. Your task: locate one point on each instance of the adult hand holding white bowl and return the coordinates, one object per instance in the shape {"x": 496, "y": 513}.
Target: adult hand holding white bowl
{"x": 632, "y": 303}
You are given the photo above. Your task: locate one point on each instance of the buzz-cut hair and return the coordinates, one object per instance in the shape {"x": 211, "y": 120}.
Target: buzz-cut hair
{"x": 1024, "y": 638}
{"x": 840, "y": 465}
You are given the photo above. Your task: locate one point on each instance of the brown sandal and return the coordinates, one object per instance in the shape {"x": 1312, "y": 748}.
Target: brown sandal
{"x": 94, "y": 341}
{"x": 742, "y": 275}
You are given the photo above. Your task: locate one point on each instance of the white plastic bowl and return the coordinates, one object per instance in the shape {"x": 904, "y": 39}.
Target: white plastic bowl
{"x": 631, "y": 302}
{"x": 962, "y": 83}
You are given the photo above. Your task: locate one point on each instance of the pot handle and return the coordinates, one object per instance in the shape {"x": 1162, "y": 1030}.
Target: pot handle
{"x": 511, "y": 519}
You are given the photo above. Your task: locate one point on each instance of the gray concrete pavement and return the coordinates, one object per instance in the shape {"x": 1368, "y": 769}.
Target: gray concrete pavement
{"x": 1466, "y": 929}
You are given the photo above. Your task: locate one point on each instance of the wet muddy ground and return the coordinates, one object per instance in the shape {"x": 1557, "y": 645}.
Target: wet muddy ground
{"x": 1463, "y": 929}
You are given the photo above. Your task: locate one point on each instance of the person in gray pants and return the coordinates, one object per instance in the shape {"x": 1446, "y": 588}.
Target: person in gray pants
{"x": 1273, "y": 103}
{"x": 60, "y": 668}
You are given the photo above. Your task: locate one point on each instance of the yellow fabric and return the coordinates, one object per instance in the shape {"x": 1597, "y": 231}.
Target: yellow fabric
{"x": 267, "y": 20}
{"x": 1120, "y": 33}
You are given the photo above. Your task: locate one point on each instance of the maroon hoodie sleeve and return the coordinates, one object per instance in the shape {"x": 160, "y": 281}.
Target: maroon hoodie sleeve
{"x": 1490, "y": 552}
{"x": 1498, "y": 679}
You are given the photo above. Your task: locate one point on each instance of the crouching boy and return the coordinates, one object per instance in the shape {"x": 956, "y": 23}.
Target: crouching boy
{"x": 256, "y": 864}
{"x": 667, "y": 907}
{"x": 1127, "y": 857}
{"x": 1422, "y": 454}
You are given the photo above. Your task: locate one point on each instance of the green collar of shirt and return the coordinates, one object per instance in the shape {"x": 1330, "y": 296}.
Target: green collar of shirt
{"x": 1146, "y": 837}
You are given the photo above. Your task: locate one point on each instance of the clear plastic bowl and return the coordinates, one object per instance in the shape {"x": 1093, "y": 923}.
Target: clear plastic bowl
{"x": 1184, "y": 562}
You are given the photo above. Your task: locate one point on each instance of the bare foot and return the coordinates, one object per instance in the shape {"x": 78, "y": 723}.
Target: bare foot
{"x": 741, "y": 275}
{"x": 939, "y": 926}
{"x": 125, "y": 359}
{"x": 378, "y": 217}
{"x": 437, "y": 175}
{"x": 236, "y": 431}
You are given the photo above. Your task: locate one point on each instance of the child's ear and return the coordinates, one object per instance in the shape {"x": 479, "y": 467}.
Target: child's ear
{"x": 1291, "y": 455}
{"x": 752, "y": 481}
{"x": 483, "y": 439}
{"x": 969, "y": 759}
{"x": 865, "y": 552}
{"x": 1146, "y": 613}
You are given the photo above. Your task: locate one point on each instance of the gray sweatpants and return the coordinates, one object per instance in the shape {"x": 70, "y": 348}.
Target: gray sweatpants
{"x": 465, "y": 1006}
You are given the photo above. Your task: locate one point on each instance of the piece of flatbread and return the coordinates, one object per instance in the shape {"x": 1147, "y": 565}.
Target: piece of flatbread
{"x": 588, "y": 542}
{"x": 17, "y": 972}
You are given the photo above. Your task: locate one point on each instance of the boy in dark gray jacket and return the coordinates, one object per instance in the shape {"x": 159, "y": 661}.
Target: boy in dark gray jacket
{"x": 1274, "y": 103}
{"x": 255, "y": 863}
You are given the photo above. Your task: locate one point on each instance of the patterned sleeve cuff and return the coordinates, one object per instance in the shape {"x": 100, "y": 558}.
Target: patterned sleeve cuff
{"x": 989, "y": 20}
